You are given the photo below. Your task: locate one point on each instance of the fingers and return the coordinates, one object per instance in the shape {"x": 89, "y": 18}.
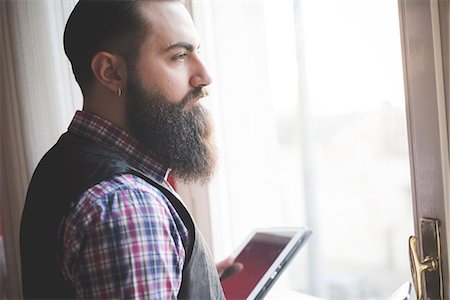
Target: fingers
{"x": 224, "y": 264}
{"x": 231, "y": 271}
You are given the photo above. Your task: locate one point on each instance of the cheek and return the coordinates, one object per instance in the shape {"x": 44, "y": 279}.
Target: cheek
{"x": 172, "y": 83}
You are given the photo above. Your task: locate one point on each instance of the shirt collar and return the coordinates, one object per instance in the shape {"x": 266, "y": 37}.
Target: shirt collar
{"x": 104, "y": 132}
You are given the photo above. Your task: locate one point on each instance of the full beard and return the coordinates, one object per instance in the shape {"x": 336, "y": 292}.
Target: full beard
{"x": 179, "y": 135}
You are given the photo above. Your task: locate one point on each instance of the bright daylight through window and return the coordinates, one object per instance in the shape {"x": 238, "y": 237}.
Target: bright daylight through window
{"x": 309, "y": 109}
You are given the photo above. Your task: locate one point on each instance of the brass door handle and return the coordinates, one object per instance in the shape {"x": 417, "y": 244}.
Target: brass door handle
{"x": 418, "y": 267}
{"x": 427, "y": 273}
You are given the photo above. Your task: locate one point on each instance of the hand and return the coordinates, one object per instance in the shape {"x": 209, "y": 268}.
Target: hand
{"x": 228, "y": 268}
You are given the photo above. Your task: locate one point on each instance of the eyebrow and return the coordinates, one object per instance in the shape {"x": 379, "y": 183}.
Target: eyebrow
{"x": 187, "y": 46}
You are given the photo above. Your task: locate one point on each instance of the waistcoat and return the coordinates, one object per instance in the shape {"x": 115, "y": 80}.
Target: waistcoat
{"x": 71, "y": 167}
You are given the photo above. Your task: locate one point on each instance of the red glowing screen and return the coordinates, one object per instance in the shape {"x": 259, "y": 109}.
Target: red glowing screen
{"x": 257, "y": 257}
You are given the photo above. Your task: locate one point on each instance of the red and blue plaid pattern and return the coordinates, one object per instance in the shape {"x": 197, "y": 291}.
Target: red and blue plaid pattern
{"x": 123, "y": 238}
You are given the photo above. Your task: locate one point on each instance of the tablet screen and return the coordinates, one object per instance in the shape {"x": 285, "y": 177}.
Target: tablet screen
{"x": 256, "y": 257}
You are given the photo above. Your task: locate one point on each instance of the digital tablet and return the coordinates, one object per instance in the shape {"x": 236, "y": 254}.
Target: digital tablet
{"x": 403, "y": 293}
{"x": 264, "y": 255}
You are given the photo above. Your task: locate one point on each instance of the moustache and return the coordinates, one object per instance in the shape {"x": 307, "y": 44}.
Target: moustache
{"x": 194, "y": 95}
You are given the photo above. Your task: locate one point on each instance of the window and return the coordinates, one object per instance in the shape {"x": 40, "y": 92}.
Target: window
{"x": 310, "y": 121}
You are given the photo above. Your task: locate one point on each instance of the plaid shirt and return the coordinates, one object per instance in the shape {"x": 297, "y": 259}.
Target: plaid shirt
{"x": 121, "y": 238}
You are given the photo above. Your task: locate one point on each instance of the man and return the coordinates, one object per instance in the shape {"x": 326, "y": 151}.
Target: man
{"x": 100, "y": 219}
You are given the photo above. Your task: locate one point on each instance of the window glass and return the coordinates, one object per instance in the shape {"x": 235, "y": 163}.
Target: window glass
{"x": 310, "y": 120}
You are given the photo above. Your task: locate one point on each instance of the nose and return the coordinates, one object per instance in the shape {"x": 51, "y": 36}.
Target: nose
{"x": 201, "y": 76}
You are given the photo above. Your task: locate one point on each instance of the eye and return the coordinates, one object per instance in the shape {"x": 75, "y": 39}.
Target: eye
{"x": 180, "y": 57}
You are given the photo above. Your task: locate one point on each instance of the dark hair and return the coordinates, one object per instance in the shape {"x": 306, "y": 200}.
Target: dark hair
{"x": 116, "y": 26}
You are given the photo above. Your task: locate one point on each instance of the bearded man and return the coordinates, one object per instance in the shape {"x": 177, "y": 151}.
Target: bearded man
{"x": 100, "y": 220}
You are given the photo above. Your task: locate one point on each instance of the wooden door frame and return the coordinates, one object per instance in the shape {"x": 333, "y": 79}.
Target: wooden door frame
{"x": 424, "y": 30}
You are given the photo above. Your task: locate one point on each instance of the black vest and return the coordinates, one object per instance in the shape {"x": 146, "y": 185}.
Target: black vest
{"x": 72, "y": 166}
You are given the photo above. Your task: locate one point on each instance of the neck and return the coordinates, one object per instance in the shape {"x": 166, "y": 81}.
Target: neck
{"x": 109, "y": 106}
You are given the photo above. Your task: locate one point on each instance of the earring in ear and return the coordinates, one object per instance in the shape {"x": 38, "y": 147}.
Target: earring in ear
{"x": 119, "y": 92}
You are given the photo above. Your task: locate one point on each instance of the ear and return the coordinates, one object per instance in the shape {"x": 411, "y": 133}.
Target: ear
{"x": 109, "y": 70}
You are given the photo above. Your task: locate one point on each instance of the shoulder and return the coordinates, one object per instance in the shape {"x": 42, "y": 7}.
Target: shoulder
{"x": 120, "y": 184}
{"x": 122, "y": 207}
{"x": 122, "y": 194}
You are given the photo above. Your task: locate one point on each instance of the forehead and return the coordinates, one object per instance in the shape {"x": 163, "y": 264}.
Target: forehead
{"x": 170, "y": 23}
